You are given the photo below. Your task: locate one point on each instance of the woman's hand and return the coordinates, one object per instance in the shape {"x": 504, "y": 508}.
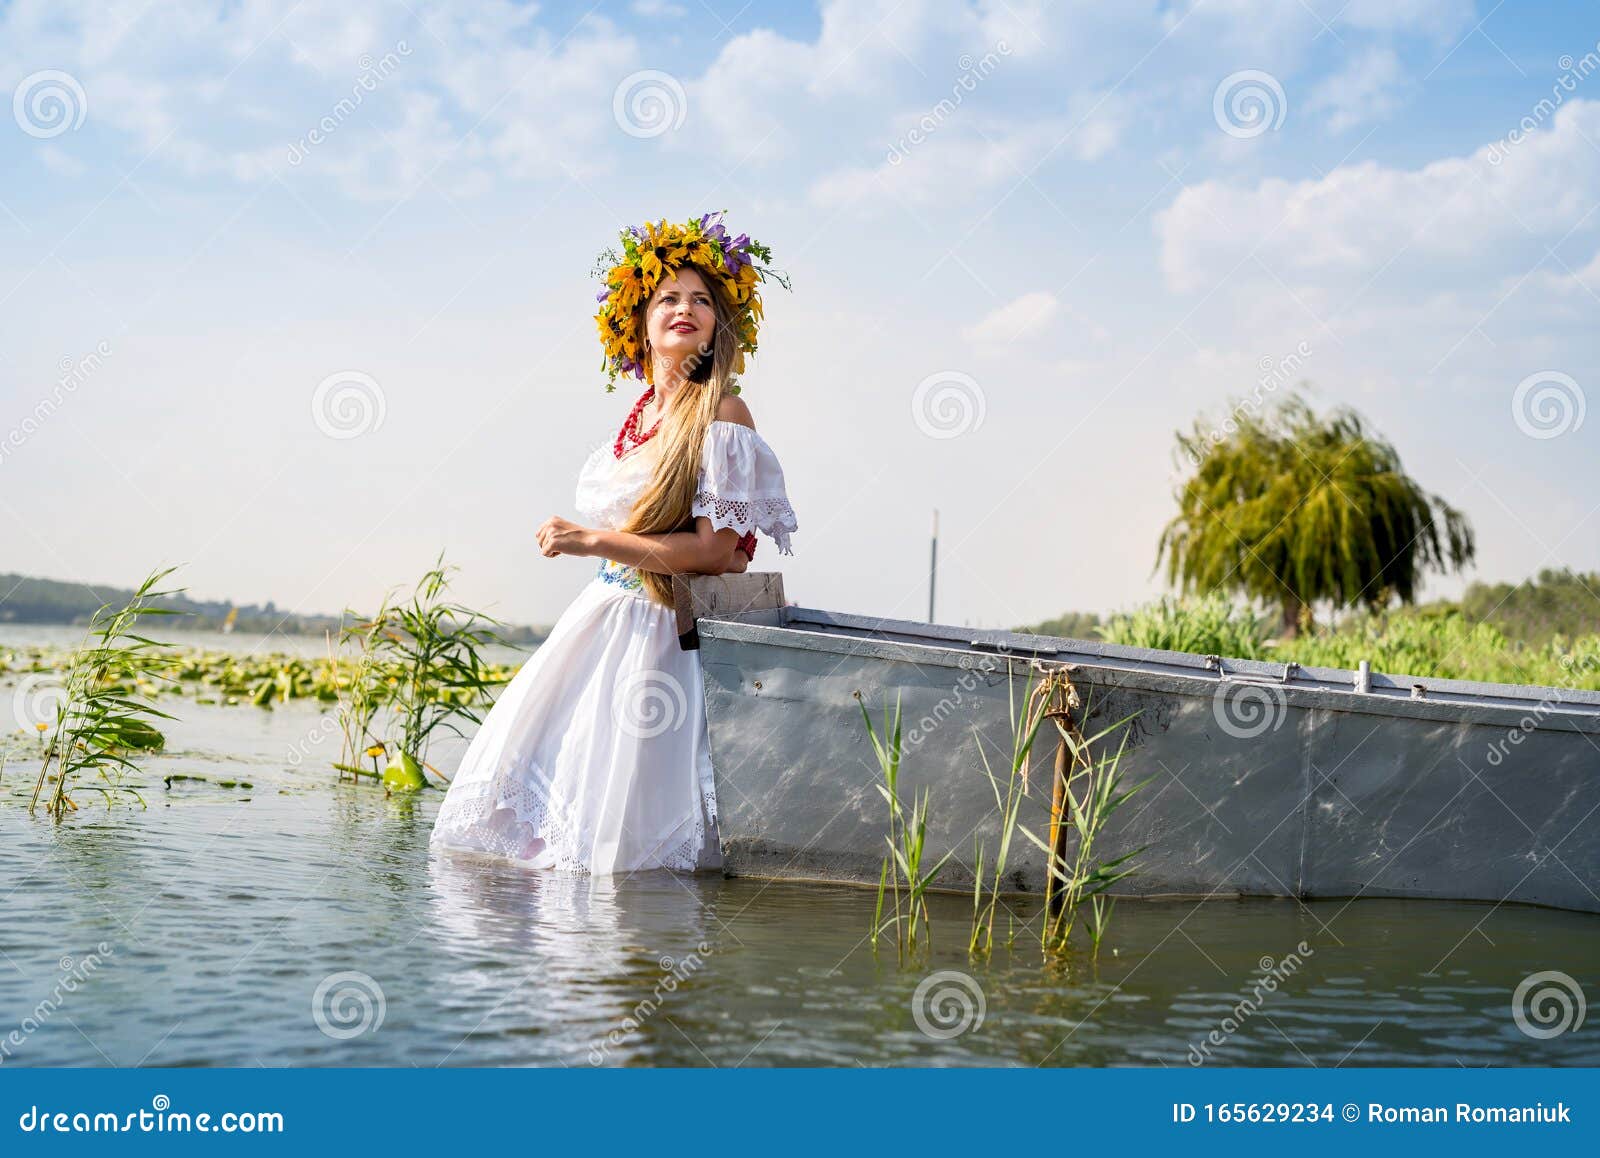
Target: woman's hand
{"x": 740, "y": 562}
{"x": 557, "y": 536}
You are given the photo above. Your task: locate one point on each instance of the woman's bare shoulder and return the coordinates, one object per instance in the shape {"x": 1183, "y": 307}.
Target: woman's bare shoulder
{"x": 732, "y": 408}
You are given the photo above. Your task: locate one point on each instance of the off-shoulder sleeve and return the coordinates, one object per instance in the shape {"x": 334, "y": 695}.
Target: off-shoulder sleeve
{"x": 741, "y": 485}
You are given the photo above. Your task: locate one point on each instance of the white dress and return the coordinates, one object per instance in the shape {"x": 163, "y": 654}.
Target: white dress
{"x": 595, "y": 757}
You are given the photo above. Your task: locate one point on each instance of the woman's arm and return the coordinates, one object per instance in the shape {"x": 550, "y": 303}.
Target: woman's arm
{"x": 701, "y": 551}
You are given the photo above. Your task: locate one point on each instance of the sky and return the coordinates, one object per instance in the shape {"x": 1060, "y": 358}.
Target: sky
{"x": 297, "y": 295}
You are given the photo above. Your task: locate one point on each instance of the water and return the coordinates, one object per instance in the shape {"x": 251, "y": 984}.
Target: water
{"x": 301, "y": 646}
{"x": 224, "y": 909}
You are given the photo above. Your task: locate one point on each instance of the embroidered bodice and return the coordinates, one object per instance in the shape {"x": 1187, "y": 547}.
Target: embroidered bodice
{"x": 741, "y": 486}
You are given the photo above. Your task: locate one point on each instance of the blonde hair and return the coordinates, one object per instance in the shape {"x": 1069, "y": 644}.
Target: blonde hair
{"x": 667, "y": 502}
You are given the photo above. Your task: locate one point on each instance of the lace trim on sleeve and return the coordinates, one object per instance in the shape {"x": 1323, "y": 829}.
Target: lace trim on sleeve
{"x": 772, "y": 515}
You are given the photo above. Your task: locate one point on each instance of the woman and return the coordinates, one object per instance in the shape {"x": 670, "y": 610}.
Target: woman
{"x": 595, "y": 756}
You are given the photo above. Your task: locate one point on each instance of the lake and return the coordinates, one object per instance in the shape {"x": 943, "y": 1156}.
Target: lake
{"x": 262, "y": 914}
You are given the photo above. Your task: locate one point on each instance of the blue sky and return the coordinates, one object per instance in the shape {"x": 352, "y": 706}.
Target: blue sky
{"x": 1090, "y": 247}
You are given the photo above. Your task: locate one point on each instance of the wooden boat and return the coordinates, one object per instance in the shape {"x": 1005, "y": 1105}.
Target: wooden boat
{"x": 1262, "y": 779}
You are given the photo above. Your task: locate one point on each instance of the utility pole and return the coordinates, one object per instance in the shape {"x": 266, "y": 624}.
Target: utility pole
{"x": 933, "y": 562}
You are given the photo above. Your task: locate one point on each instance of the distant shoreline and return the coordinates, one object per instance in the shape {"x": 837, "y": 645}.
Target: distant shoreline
{"x": 29, "y": 601}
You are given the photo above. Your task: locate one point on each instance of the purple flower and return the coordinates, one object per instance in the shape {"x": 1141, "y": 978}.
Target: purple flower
{"x": 714, "y": 232}
{"x": 603, "y": 294}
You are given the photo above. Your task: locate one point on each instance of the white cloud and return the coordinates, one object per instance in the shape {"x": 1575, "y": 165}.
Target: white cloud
{"x": 1468, "y": 212}
{"x": 1029, "y": 314}
{"x": 1365, "y": 90}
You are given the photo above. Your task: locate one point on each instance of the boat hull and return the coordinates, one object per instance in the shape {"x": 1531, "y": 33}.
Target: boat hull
{"x": 1257, "y": 780}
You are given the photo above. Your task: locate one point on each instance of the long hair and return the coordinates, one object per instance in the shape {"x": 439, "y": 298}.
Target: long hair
{"x": 667, "y": 501}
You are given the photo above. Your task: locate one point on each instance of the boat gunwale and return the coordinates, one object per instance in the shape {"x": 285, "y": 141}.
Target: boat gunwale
{"x": 1506, "y": 705}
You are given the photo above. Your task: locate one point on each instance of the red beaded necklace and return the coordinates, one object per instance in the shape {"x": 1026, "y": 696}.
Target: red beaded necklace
{"x": 629, "y": 438}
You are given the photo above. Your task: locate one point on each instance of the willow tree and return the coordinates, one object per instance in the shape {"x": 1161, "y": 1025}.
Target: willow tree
{"x": 1294, "y": 508}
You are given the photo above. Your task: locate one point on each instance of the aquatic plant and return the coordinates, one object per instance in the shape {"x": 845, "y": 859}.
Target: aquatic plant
{"x": 1009, "y": 806}
{"x": 362, "y": 694}
{"x": 1087, "y": 788}
{"x": 903, "y": 871}
{"x": 104, "y": 714}
{"x": 428, "y": 650}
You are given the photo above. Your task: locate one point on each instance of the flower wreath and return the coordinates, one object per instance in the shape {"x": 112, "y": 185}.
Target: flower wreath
{"x": 652, "y": 252}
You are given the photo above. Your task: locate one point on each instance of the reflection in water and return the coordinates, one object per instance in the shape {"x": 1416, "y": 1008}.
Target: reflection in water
{"x": 229, "y": 913}
{"x": 590, "y": 960}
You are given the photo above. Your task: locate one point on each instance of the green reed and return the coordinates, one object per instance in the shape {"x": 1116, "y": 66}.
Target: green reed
{"x": 1087, "y": 787}
{"x": 427, "y": 651}
{"x": 362, "y": 694}
{"x": 1009, "y": 805}
{"x": 1094, "y": 789}
{"x": 903, "y": 874}
{"x": 104, "y": 717}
